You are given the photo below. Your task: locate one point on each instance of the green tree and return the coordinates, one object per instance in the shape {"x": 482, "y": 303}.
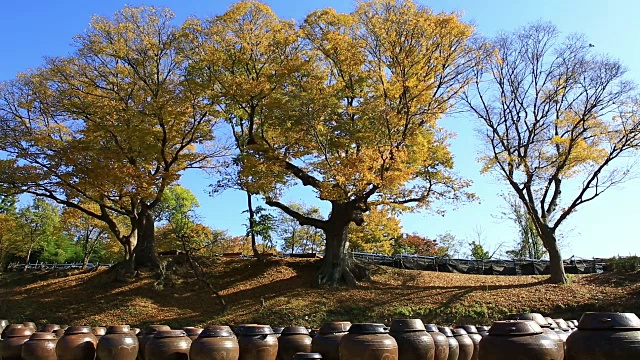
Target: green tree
{"x": 554, "y": 113}
{"x": 346, "y": 104}
{"x": 528, "y": 245}
{"x": 37, "y": 226}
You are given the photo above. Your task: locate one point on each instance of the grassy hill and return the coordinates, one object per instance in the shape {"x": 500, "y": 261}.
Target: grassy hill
{"x": 95, "y": 298}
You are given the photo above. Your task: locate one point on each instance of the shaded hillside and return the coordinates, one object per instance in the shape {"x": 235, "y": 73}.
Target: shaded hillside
{"x": 95, "y": 298}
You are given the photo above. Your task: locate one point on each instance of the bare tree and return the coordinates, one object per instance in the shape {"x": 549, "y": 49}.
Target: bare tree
{"x": 552, "y": 111}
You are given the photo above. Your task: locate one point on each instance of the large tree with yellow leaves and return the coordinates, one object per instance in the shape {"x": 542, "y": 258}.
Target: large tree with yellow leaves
{"x": 107, "y": 129}
{"x": 346, "y": 104}
{"x": 558, "y": 121}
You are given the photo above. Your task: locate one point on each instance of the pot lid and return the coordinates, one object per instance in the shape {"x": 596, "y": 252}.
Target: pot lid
{"x": 295, "y": 330}
{"x": 470, "y": 329}
{"x": 253, "y": 330}
{"x": 459, "y": 332}
{"x": 43, "y": 336}
{"x": 368, "y": 328}
{"x": 99, "y": 330}
{"x": 278, "y": 330}
{"x": 151, "y": 329}
{"x": 22, "y": 331}
{"x": 4, "y": 322}
{"x": 562, "y": 325}
{"x": 78, "y": 330}
{"x": 118, "y": 329}
{"x": 135, "y": 330}
{"x": 218, "y": 327}
{"x": 49, "y": 327}
{"x": 211, "y": 332}
{"x": 608, "y": 320}
{"x": 482, "y": 328}
{"x": 552, "y": 324}
{"x": 169, "y": 333}
{"x": 301, "y": 356}
{"x": 445, "y": 330}
{"x": 29, "y": 324}
{"x": 238, "y": 328}
{"x": 431, "y": 327}
{"x": 404, "y": 325}
{"x": 515, "y": 327}
{"x": 537, "y": 317}
{"x": 575, "y": 322}
{"x": 192, "y": 331}
{"x": 334, "y": 327}
{"x": 570, "y": 325}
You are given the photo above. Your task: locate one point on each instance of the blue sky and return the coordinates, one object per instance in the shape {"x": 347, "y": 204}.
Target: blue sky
{"x": 31, "y": 30}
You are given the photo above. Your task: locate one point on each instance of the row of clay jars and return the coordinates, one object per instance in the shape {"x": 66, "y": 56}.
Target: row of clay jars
{"x": 454, "y": 347}
{"x": 13, "y": 339}
{"x": 327, "y": 340}
{"x": 475, "y": 337}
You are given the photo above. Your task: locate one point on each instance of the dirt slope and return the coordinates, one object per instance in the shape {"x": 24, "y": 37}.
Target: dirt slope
{"x": 283, "y": 287}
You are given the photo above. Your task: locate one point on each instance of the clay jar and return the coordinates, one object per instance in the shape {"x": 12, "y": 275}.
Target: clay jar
{"x": 304, "y": 356}
{"x": 30, "y": 324}
{"x": 483, "y": 330}
{"x": 144, "y": 337}
{"x": 77, "y": 343}
{"x": 118, "y": 343}
{"x": 278, "y": 330}
{"x": 257, "y": 342}
{"x": 327, "y": 341}
{"x": 99, "y": 331}
{"x": 605, "y": 336}
{"x": 192, "y": 332}
{"x": 168, "y": 345}
{"x": 49, "y": 328}
{"x": 215, "y": 343}
{"x": 465, "y": 343}
{"x": 475, "y": 337}
{"x": 40, "y": 346}
{"x": 14, "y": 338}
{"x": 519, "y": 339}
{"x": 292, "y": 340}
{"x": 413, "y": 341}
{"x": 368, "y": 342}
{"x": 440, "y": 342}
{"x": 9, "y": 327}
{"x": 3, "y": 324}
{"x": 454, "y": 347}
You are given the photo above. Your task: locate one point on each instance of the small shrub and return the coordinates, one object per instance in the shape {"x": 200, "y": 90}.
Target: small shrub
{"x": 626, "y": 264}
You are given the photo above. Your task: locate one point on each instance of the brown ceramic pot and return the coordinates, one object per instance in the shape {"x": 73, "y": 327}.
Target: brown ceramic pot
{"x": 40, "y": 346}
{"x": 215, "y": 343}
{"x": 327, "y": 340}
{"x": 454, "y": 347}
{"x": 59, "y": 333}
{"x": 144, "y": 337}
{"x": 135, "y": 331}
{"x": 257, "y": 342}
{"x": 483, "y": 330}
{"x": 440, "y": 342}
{"x": 464, "y": 343}
{"x": 292, "y": 340}
{"x": 3, "y": 324}
{"x": 519, "y": 339}
{"x": 603, "y": 335}
{"x": 192, "y": 332}
{"x": 9, "y": 327}
{"x": 368, "y": 342}
{"x": 77, "y": 343}
{"x": 14, "y": 338}
{"x": 49, "y": 328}
{"x": 118, "y": 343}
{"x": 304, "y": 356}
{"x": 278, "y": 330}
{"x": 413, "y": 341}
{"x": 168, "y": 345}
{"x": 30, "y": 324}
{"x": 475, "y": 337}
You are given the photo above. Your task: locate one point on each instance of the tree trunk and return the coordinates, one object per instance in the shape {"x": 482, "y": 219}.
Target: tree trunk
{"x": 338, "y": 265}
{"x": 558, "y": 275}
{"x": 85, "y": 261}
{"x": 145, "y": 255}
{"x": 252, "y": 216}
{"x": 26, "y": 266}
